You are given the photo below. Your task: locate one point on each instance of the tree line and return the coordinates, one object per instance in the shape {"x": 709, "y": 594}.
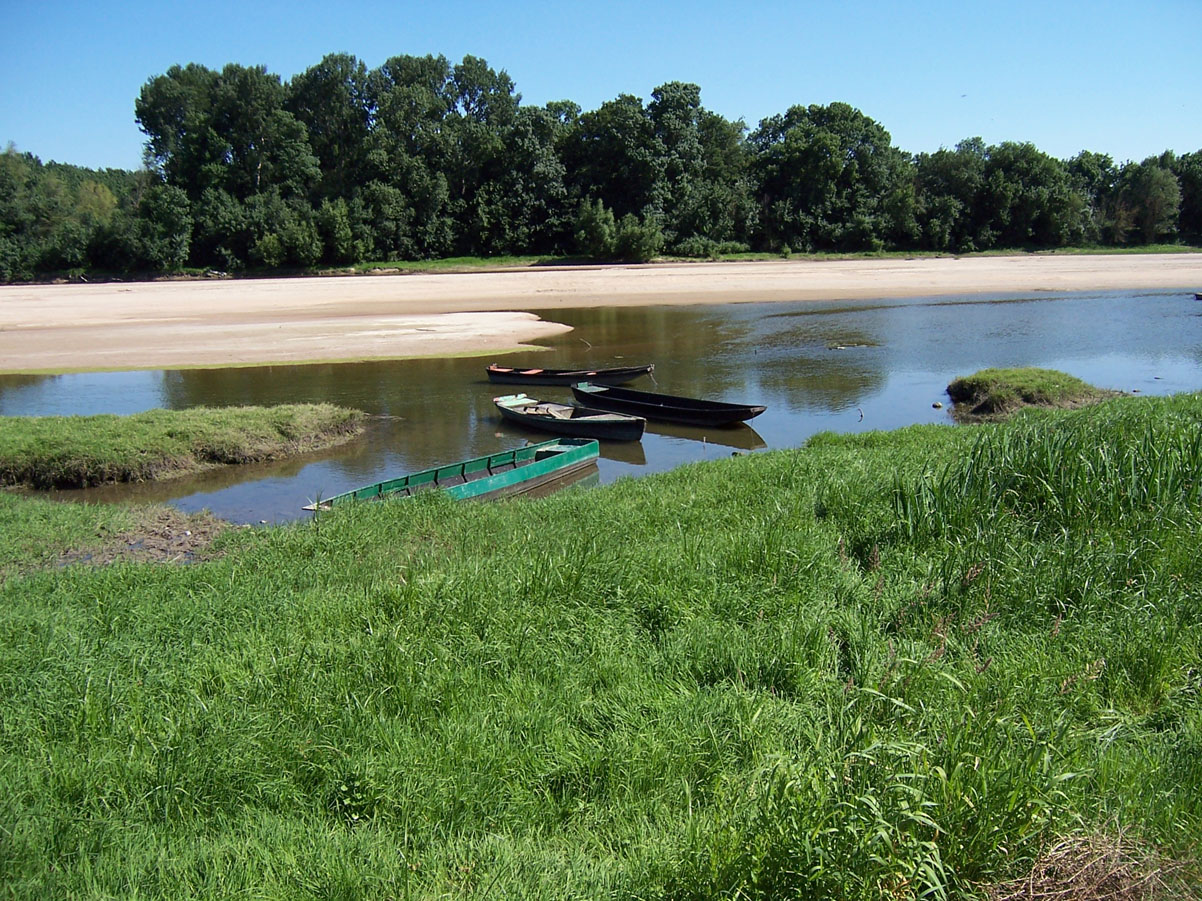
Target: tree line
{"x": 422, "y": 159}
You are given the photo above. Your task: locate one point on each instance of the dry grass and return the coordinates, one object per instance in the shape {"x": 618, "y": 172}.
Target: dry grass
{"x": 1111, "y": 866}
{"x": 160, "y": 535}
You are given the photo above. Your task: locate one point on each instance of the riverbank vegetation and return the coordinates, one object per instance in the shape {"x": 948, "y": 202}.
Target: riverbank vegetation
{"x": 420, "y": 159}
{"x": 927, "y": 663}
{"x": 84, "y": 451}
{"x": 997, "y": 393}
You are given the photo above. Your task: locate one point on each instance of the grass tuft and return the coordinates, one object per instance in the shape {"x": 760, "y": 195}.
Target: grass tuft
{"x": 997, "y": 393}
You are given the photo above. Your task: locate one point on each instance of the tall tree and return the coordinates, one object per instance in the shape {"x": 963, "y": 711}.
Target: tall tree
{"x": 333, "y": 101}
{"x": 1095, "y": 177}
{"x": 830, "y": 179}
{"x": 1150, "y": 198}
{"x": 481, "y": 123}
{"x": 612, "y": 155}
{"x": 947, "y": 183}
{"x": 406, "y": 195}
{"x": 1188, "y": 170}
{"x": 703, "y": 194}
{"x": 226, "y": 130}
{"x": 1026, "y": 199}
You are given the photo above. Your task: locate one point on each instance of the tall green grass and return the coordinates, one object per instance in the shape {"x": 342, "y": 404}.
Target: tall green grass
{"x": 762, "y": 677}
{"x": 82, "y": 451}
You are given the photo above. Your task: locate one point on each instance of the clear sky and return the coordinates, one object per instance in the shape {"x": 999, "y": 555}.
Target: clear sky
{"x": 1122, "y": 77}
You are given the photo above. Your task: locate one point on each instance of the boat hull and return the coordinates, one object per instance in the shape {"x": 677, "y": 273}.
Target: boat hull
{"x": 564, "y": 419}
{"x": 505, "y": 375}
{"x": 665, "y": 407}
{"x": 497, "y": 475}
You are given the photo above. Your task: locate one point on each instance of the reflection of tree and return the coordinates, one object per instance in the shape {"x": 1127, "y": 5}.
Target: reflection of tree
{"x": 697, "y": 352}
{"x": 12, "y": 386}
{"x": 830, "y": 380}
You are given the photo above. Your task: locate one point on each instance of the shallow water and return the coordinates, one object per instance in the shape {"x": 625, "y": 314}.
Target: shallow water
{"x": 844, "y": 366}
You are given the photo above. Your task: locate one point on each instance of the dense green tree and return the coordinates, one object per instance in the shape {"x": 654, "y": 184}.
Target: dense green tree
{"x": 226, "y": 130}
{"x": 638, "y": 239}
{"x": 481, "y": 124}
{"x": 595, "y": 230}
{"x": 1149, "y": 200}
{"x": 612, "y": 155}
{"x": 165, "y": 216}
{"x": 221, "y": 235}
{"x": 1026, "y": 199}
{"x": 420, "y": 158}
{"x": 334, "y": 226}
{"x": 151, "y": 232}
{"x": 947, "y": 184}
{"x": 333, "y": 100}
{"x": 530, "y": 187}
{"x": 704, "y": 192}
{"x": 51, "y": 216}
{"x": 830, "y": 179}
{"x": 1095, "y": 177}
{"x": 407, "y": 194}
{"x": 1188, "y": 170}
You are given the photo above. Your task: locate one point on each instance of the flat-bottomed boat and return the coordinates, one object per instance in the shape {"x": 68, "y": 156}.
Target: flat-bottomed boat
{"x": 496, "y": 475}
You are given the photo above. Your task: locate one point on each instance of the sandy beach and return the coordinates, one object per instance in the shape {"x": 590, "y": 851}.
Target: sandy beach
{"x": 220, "y": 322}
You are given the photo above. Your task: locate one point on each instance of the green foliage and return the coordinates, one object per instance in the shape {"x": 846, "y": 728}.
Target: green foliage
{"x": 998, "y": 392}
{"x": 830, "y": 178}
{"x": 1149, "y": 200}
{"x": 637, "y": 241}
{"x": 423, "y": 159}
{"x": 596, "y": 232}
{"x": 1188, "y": 168}
{"x": 782, "y": 681}
{"x": 81, "y": 451}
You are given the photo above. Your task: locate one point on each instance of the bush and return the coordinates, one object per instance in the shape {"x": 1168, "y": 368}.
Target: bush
{"x": 637, "y": 240}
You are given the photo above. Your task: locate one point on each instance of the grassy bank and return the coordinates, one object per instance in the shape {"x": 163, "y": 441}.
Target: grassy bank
{"x": 998, "y": 393}
{"x": 82, "y": 451}
{"x": 890, "y": 665}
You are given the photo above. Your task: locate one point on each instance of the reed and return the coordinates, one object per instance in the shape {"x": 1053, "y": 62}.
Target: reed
{"x": 762, "y": 677}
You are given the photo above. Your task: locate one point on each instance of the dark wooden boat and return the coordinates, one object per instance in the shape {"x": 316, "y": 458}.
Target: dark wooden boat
{"x": 567, "y": 419}
{"x": 665, "y": 407}
{"x": 497, "y": 475}
{"x": 619, "y": 375}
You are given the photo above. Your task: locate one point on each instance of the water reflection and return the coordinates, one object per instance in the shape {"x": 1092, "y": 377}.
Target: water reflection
{"x": 843, "y": 366}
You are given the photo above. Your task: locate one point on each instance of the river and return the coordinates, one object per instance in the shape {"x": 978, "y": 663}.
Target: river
{"x": 844, "y": 366}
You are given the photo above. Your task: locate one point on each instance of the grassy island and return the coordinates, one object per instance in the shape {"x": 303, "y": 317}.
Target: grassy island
{"x": 997, "y": 393}
{"x": 939, "y": 662}
{"x": 84, "y": 451}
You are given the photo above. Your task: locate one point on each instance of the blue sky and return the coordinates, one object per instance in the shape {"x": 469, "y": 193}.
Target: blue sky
{"x": 1115, "y": 77}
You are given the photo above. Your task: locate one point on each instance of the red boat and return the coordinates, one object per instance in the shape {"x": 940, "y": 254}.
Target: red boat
{"x": 508, "y": 375}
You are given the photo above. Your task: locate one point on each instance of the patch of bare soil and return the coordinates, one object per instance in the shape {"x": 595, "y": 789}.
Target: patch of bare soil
{"x": 1087, "y": 868}
{"x": 162, "y": 535}
{"x": 971, "y": 408}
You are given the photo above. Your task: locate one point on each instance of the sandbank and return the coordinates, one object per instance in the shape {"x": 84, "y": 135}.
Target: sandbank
{"x": 239, "y": 322}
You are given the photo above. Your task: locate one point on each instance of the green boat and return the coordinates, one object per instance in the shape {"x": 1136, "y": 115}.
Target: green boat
{"x": 506, "y": 473}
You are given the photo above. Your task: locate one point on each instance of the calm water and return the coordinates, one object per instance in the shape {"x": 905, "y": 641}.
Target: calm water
{"x": 845, "y": 366}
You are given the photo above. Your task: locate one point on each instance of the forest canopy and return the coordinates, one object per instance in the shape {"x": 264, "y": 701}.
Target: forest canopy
{"x": 421, "y": 159}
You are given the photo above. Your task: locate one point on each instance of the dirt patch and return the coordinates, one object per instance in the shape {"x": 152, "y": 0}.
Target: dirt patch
{"x": 1085, "y": 868}
{"x": 969, "y": 410}
{"x": 161, "y": 535}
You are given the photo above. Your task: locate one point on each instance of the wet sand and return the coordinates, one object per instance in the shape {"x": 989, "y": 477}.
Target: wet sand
{"x": 205, "y": 323}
